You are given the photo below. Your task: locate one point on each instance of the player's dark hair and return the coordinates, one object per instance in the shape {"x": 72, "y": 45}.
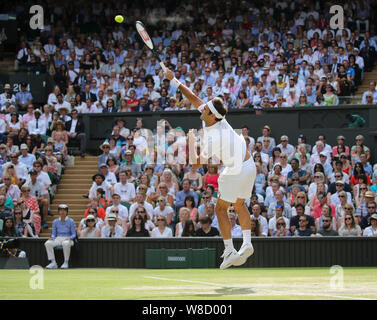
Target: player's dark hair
{"x": 218, "y": 103}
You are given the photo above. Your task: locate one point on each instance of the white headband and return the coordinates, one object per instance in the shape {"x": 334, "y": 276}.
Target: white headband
{"x": 214, "y": 111}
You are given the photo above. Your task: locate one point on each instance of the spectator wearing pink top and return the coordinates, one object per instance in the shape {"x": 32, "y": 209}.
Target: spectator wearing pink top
{"x": 28, "y": 116}
{"x": 317, "y": 210}
{"x": 340, "y": 142}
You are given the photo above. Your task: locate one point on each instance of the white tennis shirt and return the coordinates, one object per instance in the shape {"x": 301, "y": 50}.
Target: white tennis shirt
{"x": 222, "y": 141}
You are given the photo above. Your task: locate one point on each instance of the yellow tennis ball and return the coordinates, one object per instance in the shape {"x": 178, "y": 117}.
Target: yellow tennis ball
{"x": 119, "y": 19}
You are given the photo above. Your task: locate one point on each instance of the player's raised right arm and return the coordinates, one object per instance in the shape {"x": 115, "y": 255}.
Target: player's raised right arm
{"x": 194, "y": 99}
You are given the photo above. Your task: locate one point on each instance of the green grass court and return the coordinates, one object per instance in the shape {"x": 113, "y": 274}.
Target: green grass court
{"x": 199, "y": 284}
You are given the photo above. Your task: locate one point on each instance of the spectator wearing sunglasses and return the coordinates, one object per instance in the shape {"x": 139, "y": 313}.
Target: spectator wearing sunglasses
{"x": 94, "y": 213}
{"x": 303, "y": 230}
{"x": 163, "y": 209}
{"x": 281, "y": 229}
{"x": 122, "y": 210}
{"x": 295, "y": 220}
{"x": 349, "y": 227}
{"x": 161, "y": 230}
{"x": 365, "y": 221}
{"x": 148, "y": 224}
{"x": 137, "y": 228}
{"x": 206, "y": 198}
{"x": 91, "y": 230}
{"x": 318, "y": 208}
{"x": 140, "y": 201}
{"x": 335, "y": 198}
{"x": 112, "y": 229}
{"x": 342, "y": 207}
{"x": 280, "y": 200}
{"x": 363, "y": 202}
{"x": 129, "y": 163}
{"x": 105, "y": 147}
{"x": 339, "y": 175}
{"x": 327, "y": 229}
{"x": 272, "y": 223}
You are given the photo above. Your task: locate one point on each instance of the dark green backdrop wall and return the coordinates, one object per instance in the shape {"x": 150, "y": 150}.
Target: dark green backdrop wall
{"x": 272, "y": 252}
{"x": 311, "y": 122}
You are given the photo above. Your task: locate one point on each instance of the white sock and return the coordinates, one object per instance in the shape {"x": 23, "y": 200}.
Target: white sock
{"x": 228, "y": 245}
{"x": 246, "y": 236}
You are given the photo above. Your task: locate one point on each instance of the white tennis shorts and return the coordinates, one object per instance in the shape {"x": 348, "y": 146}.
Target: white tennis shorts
{"x": 232, "y": 187}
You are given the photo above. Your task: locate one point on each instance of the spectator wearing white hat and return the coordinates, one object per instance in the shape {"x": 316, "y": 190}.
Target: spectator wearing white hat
{"x": 63, "y": 233}
{"x": 26, "y": 158}
{"x": 112, "y": 229}
{"x": 90, "y": 230}
{"x": 7, "y": 96}
{"x": 102, "y": 158}
{"x": 371, "y": 231}
{"x": 266, "y": 132}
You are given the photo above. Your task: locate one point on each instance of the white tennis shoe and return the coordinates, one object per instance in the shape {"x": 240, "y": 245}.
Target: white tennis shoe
{"x": 229, "y": 257}
{"x": 52, "y": 265}
{"x": 64, "y": 265}
{"x": 245, "y": 252}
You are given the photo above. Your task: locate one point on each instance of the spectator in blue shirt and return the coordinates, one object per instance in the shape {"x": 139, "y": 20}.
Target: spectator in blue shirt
{"x": 186, "y": 191}
{"x": 23, "y": 97}
{"x": 302, "y": 174}
{"x": 140, "y": 88}
{"x": 366, "y": 165}
{"x": 63, "y": 233}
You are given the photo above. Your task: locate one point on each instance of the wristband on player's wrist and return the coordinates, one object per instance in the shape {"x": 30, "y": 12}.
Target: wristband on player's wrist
{"x": 175, "y": 82}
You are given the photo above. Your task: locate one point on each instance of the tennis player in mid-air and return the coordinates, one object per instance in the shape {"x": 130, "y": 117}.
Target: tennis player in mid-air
{"x": 236, "y": 180}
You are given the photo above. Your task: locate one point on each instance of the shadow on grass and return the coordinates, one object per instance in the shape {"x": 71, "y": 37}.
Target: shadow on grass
{"x": 228, "y": 291}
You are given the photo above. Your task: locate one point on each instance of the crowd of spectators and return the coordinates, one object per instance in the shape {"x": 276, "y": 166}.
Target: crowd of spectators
{"x": 300, "y": 189}
{"x": 253, "y": 55}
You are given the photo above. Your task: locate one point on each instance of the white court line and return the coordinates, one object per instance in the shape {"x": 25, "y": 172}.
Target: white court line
{"x": 265, "y": 290}
{"x": 192, "y": 281}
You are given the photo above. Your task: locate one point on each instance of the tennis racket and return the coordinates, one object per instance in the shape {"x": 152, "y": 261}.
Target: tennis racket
{"x": 144, "y": 35}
